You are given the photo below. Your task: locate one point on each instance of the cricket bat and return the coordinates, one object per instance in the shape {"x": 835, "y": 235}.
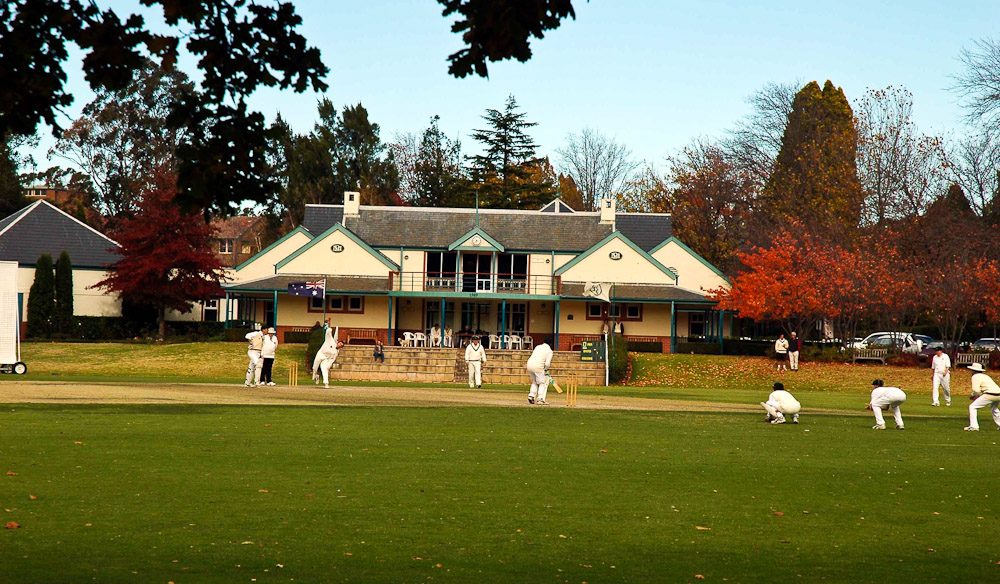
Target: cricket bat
{"x": 554, "y": 384}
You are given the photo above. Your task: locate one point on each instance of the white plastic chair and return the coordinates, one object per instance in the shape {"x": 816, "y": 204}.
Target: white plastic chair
{"x": 419, "y": 340}
{"x": 494, "y": 342}
{"x": 506, "y": 341}
{"x": 527, "y": 342}
{"x": 515, "y": 342}
{"x": 407, "y": 340}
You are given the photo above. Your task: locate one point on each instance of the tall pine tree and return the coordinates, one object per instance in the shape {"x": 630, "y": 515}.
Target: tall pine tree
{"x": 64, "y": 294}
{"x": 507, "y": 174}
{"x": 437, "y": 170}
{"x": 41, "y": 300}
{"x": 815, "y": 179}
{"x": 11, "y": 194}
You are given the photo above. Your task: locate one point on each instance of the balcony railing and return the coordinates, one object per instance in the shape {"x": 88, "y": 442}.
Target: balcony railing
{"x": 483, "y": 282}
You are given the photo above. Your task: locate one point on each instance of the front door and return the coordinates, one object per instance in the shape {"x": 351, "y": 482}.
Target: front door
{"x": 476, "y": 272}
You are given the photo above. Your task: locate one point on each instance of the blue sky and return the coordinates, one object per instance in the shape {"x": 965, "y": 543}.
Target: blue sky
{"x": 652, "y": 74}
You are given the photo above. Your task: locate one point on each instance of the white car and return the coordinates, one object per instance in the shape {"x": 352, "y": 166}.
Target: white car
{"x": 907, "y": 342}
{"x": 986, "y": 344}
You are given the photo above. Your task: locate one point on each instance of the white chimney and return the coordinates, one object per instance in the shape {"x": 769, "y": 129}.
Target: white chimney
{"x": 352, "y": 203}
{"x": 608, "y": 211}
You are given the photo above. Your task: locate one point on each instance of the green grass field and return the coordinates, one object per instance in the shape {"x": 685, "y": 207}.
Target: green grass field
{"x": 468, "y": 494}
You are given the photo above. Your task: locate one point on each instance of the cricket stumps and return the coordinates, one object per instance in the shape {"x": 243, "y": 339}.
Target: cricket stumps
{"x": 571, "y": 391}
{"x": 293, "y": 374}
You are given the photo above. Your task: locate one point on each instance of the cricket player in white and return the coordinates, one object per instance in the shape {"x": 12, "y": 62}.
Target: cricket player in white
{"x": 780, "y": 403}
{"x": 941, "y": 377}
{"x": 475, "y": 356}
{"x": 538, "y": 364}
{"x": 326, "y": 356}
{"x": 985, "y": 392}
{"x": 886, "y": 398}
{"x": 256, "y": 343}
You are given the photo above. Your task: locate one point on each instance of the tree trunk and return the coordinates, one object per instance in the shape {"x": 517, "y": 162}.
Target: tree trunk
{"x": 161, "y": 321}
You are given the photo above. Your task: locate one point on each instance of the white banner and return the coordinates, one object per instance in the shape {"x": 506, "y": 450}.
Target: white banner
{"x": 9, "y": 312}
{"x": 599, "y": 290}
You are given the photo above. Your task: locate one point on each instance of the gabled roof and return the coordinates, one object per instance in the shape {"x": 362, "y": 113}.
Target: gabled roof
{"x": 281, "y": 240}
{"x": 334, "y": 284}
{"x": 437, "y": 228}
{"x": 693, "y": 253}
{"x": 42, "y": 228}
{"x": 352, "y": 236}
{"x": 476, "y": 231}
{"x": 620, "y": 236}
{"x": 234, "y": 227}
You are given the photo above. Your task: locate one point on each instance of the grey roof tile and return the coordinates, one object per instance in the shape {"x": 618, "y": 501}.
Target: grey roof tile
{"x": 637, "y": 292}
{"x": 42, "y": 228}
{"x": 516, "y": 230}
{"x": 333, "y": 283}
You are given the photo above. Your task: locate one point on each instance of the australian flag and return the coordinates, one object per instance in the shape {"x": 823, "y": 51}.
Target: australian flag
{"x": 314, "y": 289}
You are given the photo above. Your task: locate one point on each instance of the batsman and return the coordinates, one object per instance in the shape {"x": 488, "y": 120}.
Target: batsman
{"x": 538, "y": 365}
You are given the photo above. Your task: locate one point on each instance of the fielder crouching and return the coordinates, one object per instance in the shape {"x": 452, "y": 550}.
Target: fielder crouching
{"x": 885, "y": 399}
{"x": 781, "y": 403}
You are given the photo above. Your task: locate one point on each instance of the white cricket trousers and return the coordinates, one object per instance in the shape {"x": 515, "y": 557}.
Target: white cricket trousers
{"x": 981, "y": 402}
{"x": 253, "y": 368}
{"x": 475, "y": 373}
{"x": 539, "y": 384}
{"x": 942, "y": 380}
{"x": 793, "y": 360}
{"x": 890, "y": 402}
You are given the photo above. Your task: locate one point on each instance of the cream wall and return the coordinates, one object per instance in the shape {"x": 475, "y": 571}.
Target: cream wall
{"x": 540, "y": 316}
{"x": 692, "y": 274}
{"x": 86, "y": 301}
{"x": 263, "y": 266}
{"x": 563, "y": 259}
{"x": 294, "y": 311}
{"x": 632, "y": 268}
{"x": 540, "y": 272}
{"x": 655, "y": 321}
{"x": 414, "y": 262}
{"x": 320, "y": 259}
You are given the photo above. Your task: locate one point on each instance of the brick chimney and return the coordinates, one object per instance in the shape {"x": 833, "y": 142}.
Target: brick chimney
{"x": 352, "y": 203}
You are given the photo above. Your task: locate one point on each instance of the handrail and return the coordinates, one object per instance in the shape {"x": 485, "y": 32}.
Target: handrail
{"x": 473, "y": 281}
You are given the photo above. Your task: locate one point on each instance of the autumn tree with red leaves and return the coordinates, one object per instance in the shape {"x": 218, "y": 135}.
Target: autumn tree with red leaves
{"x": 166, "y": 256}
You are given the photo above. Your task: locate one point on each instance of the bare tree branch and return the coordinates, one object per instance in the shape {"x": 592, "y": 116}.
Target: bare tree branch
{"x": 599, "y": 165}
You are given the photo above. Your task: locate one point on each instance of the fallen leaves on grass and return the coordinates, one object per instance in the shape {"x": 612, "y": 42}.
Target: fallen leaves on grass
{"x": 78, "y": 442}
{"x": 699, "y": 576}
{"x": 11, "y": 473}
{"x": 779, "y": 514}
{"x": 702, "y": 528}
{"x": 12, "y": 525}
{"x": 263, "y": 491}
{"x": 32, "y": 497}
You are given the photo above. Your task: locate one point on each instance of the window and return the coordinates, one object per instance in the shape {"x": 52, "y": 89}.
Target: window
{"x": 600, "y": 311}
{"x": 696, "y": 324}
{"x": 512, "y": 265}
{"x": 516, "y": 319}
{"x": 211, "y": 310}
{"x": 336, "y": 304}
{"x": 432, "y": 314}
{"x": 356, "y": 304}
{"x": 226, "y": 245}
{"x": 315, "y": 304}
{"x": 245, "y": 248}
{"x": 441, "y": 263}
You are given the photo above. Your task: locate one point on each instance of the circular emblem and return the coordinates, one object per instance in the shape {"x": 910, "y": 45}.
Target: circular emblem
{"x": 615, "y": 255}
{"x": 336, "y": 248}
{"x": 476, "y": 240}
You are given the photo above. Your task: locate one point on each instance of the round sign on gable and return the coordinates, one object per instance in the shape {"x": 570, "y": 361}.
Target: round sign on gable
{"x": 336, "y": 248}
{"x": 615, "y": 255}
{"x": 476, "y": 240}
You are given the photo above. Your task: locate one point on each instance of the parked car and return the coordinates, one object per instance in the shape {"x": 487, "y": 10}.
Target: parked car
{"x": 986, "y": 344}
{"x": 927, "y": 353}
{"x": 907, "y": 342}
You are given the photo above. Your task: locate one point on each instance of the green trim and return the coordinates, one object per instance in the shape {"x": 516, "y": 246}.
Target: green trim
{"x": 236, "y": 291}
{"x": 457, "y": 244}
{"x": 698, "y": 257}
{"x": 253, "y": 258}
{"x": 617, "y": 235}
{"x": 338, "y": 227}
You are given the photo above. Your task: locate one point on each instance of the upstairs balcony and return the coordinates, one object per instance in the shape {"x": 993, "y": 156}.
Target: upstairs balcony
{"x": 474, "y": 282}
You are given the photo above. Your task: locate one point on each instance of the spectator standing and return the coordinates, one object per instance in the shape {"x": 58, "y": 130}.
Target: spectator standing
{"x": 886, "y": 398}
{"x": 781, "y": 352}
{"x": 794, "y": 346}
{"x": 985, "y": 392}
{"x": 940, "y": 377}
{"x": 475, "y": 356}
{"x": 268, "y": 351}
